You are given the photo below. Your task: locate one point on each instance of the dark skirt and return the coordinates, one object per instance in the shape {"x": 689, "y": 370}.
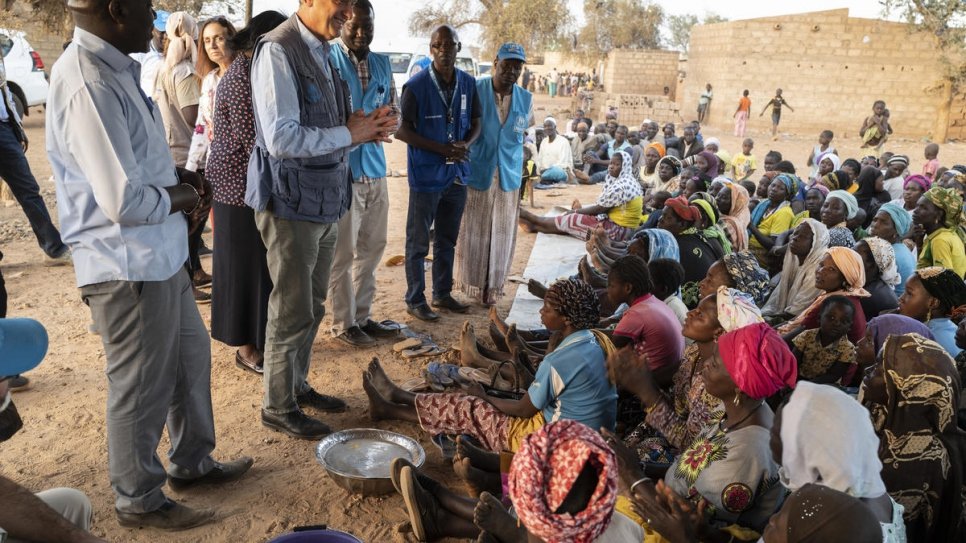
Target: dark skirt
{"x": 241, "y": 284}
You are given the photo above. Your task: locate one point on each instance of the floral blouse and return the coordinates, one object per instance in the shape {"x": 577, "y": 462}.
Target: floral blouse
{"x": 817, "y": 359}
{"x": 234, "y": 135}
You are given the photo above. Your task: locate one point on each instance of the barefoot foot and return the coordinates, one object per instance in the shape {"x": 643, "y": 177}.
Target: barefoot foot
{"x": 476, "y": 480}
{"x": 378, "y": 406}
{"x": 491, "y": 517}
{"x": 379, "y": 380}
{"x": 467, "y": 447}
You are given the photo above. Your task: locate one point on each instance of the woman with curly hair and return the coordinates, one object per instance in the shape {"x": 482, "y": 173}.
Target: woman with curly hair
{"x": 936, "y": 297}
{"x": 571, "y": 383}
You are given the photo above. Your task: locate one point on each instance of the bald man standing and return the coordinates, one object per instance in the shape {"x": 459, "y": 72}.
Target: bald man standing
{"x": 125, "y": 212}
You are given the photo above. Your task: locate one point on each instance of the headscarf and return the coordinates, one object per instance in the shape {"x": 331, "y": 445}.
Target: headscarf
{"x": 660, "y": 244}
{"x": 658, "y": 147}
{"x": 901, "y": 218}
{"x": 950, "y": 202}
{"x": 182, "y": 31}
{"x": 796, "y": 287}
{"x": 898, "y": 159}
{"x": 673, "y": 161}
{"x": 827, "y": 439}
{"x": 850, "y": 265}
{"x": 821, "y": 188}
{"x": 619, "y": 190}
{"x": 748, "y": 275}
{"x": 893, "y": 324}
{"x": 832, "y": 157}
{"x": 837, "y": 180}
{"x": 819, "y": 514}
{"x": 758, "y": 360}
{"x": 724, "y": 157}
{"x": 680, "y": 206}
{"x": 708, "y": 207}
{"x": 866, "y": 182}
{"x": 576, "y": 301}
{"x": 735, "y": 220}
{"x": 920, "y": 180}
{"x": 851, "y": 204}
{"x": 712, "y": 169}
{"x": 792, "y": 184}
{"x": 885, "y": 259}
{"x": 712, "y": 141}
{"x": 923, "y": 452}
{"x": 543, "y": 472}
{"x": 736, "y": 309}
{"x": 946, "y": 286}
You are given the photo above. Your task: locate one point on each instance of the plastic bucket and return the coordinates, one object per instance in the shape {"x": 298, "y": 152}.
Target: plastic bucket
{"x": 316, "y": 536}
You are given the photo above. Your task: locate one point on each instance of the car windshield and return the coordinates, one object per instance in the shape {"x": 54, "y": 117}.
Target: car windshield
{"x": 465, "y": 64}
{"x": 6, "y": 44}
{"x": 399, "y": 62}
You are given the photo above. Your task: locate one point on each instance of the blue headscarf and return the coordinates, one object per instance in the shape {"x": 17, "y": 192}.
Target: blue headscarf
{"x": 900, "y": 217}
{"x": 661, "y": 244}
{"x": 791, "y": 188}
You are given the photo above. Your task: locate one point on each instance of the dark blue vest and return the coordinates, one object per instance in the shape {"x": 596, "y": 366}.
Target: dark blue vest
{"x": 429, "y": 172}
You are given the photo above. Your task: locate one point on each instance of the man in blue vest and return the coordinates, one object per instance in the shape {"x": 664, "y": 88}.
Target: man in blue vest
{"x": 488, "y": 234}
{"x": 440, "y": 119}
{"x": 299, "y": 185}
{"x": 352, "y": 285}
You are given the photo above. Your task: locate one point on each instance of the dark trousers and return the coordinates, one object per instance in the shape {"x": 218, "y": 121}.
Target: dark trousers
{"x": 445, "y": 209}
{"x": 15, "y": 170}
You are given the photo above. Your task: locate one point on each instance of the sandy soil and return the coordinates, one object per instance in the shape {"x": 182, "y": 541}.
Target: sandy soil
{"x": 63, "y": 442}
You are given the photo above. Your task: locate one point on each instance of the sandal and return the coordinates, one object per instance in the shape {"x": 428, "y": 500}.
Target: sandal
{"x": 409, "y": 343}
{"x": 424, "y": 350}
{"x": 240, "y": 361}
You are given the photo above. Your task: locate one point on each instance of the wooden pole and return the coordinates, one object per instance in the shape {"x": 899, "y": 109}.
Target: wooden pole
{"x": 248, "y": 11}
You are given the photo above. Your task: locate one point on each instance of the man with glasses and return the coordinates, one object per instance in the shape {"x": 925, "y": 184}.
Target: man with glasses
{"x": 440, "y": 120}
{"x": 300, "y": 186}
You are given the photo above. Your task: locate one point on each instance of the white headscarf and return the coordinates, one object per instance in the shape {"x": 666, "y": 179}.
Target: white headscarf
{"x": 182, "y": 31}
{"x": 885, "y": 259}
{"x": 828, "y": 440}
{"x": 833, "y": 158}
{"x": 619, "y": 190}
{"x": 796, "y": 288}
{"x": 851, "y": 204}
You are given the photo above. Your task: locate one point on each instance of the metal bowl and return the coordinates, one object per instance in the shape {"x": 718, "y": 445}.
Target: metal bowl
{"x": 358, "y": 460}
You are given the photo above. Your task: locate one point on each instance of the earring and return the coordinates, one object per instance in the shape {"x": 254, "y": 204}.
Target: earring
{"x": 737, "y": 400}
{"x": 929, "y": 315}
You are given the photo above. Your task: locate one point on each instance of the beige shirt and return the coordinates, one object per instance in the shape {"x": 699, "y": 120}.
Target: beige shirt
{"x": 178, "y": 88}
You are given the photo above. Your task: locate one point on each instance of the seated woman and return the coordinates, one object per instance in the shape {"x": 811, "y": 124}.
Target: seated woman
{"x": 936, "y": 297}
{"x": 796, "y": 288}
{"x": 839, "y": 207}
{"x": 673, "y": 421}
{"x": 740, "y": 271}
{"x": 729, "y": 465}
{"x": 697, "y": 252}
{"x": 912, "y": 394}
{"x": 668, "y": 169}
{"x": 878, "y": 330}
{"x": 818, "y": 513}
{"x": 825, "y": 354}
{"x": 814, "y": 200}
{"x": 881, "y": 276}
{"x": 571, "y": 383}
{"x": 940, "y": 215}
{"x": 913, "y": 188}
{"x": 772, "y": 216}
{"x": 648, "y": 325}
{"x": 618, "y": 208}
{"x": 649, "y": 244}
{"x": 892, "y": 223}
{"x": 710, "y": 215}
{"x": 840, "y": 272}
{"x": 733, "y": 202}
{"x": 649, "y": 175}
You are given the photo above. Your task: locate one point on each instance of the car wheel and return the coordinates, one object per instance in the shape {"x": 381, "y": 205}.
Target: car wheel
{"x": 18, "y": 103}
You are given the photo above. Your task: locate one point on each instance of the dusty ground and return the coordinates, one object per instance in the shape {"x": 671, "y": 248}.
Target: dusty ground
{"x": 63, "y": 443}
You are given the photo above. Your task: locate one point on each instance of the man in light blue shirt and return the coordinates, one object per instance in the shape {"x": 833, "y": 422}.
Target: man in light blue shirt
{"x": 121, "y": 201}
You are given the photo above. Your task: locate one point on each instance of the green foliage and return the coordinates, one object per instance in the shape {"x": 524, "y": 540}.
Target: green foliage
{"x": 54, "y": 15}
{"x": 616, "y": 24}
{"x": 945, "y": 19}
{"x": 679, "y": 28}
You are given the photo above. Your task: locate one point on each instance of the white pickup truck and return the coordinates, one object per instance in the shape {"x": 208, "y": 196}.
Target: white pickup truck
{"x": 25, "y": 71}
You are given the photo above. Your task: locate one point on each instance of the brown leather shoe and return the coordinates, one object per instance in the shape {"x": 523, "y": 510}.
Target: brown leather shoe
{"x": 171, "y": 516}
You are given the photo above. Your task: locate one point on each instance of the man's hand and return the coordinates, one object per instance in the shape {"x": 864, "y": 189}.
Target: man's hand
{"x": 377, "y": 126}
{"x": 197, "y": 181}
{"x": 458, "y": 151}
{"x": 25, "y": 143}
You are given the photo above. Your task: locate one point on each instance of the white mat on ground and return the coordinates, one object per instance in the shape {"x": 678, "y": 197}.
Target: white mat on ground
{"x": 553, "y": 256}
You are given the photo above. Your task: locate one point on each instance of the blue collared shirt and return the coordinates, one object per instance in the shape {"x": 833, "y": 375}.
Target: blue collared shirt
{"x": 277, "y": 108}
{"x": 111, "y": 162}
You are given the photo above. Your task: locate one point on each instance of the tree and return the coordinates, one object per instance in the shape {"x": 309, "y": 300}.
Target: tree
{"x": 535, "y": 24}
{"x": 54, "y": 15}
{"x": 616, "y": 24}
{"x": 679, "y": 28}
{"x": 945, "y": 19}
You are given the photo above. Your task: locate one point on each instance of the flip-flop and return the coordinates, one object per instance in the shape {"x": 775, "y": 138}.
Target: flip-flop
{"x": 395, "y": 469}
{"x": 416, "y": 384}
{"x": 446, "y": 445}
{"x": 407, "y": 487}
{"x": 410, "y": 343}
{"x": 425, "y": 350}
{"x": 389, "y": 323}
{"x": 246, "y": 365}
{"x": 395, "y": 260}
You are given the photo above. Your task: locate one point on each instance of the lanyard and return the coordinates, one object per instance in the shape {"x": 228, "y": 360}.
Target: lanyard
{"x": 449, "y": 107}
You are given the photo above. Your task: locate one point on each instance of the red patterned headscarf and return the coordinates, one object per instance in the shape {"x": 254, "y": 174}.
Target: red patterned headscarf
{"x": 543, "y": 473}
{"x": 683, "y": 209}
{"x": 758, "y": 360}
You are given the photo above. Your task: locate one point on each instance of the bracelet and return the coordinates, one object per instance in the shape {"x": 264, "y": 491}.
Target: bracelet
{"x": 197, "y": 202}
{"x": 639, "y": 481}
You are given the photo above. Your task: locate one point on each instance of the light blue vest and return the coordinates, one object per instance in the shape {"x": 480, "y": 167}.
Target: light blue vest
{"x": 368, "y": 159}
{"x": 499, "y": 147}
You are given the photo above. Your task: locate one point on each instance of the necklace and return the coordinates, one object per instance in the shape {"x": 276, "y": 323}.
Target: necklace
{"x": 726, "y": 429}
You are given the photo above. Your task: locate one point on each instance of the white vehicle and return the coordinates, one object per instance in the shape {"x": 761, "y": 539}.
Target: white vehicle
{"x": 25, "y": 71}
{"x": 399, "y": 63}
{"x": 485, "y": 67}
{"x": 463, "y": 61}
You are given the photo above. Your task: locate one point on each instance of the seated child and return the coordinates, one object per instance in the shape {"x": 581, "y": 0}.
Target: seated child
{"x": 876, "y": 129}
{"x": 825, "y": 354}
{"x": 668, "y": 276}
{"x": 824, "y": 146}
{"x": 745, "y": 164}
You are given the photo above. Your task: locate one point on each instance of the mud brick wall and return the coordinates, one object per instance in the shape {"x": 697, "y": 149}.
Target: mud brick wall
{"x": 831, "y": 67}
{"x": 641, "y": 71}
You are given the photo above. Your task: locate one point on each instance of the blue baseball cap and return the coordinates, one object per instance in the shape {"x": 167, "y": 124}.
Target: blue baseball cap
{"x": 23, "y": 345}
{"x": 511, "y": 51}
{"x": 161, "y": 19}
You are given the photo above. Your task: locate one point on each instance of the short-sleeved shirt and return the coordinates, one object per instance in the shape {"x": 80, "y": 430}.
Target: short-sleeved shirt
{"x": 943, "y": 248}
{"x": 655, "y": 331}
{"x": 856, "y": 333}
{"x": 743, "y": 165}
{"x": 817, "y": 358}
{"x": 571, "y": 383}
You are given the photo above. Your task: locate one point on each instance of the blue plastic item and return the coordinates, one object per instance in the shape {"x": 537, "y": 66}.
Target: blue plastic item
{"x": 302, "y": 535}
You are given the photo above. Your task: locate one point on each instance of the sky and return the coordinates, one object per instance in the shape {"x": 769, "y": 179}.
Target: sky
{"x": 397, "y": 12}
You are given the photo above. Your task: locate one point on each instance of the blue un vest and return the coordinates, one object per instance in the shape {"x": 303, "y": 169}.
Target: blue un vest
{"x": 368, "y": 159}
{"x": 499, "y": 147}
{"x": 428, "y": 172}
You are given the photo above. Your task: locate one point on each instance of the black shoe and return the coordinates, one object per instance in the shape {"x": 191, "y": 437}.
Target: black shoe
{"x": 204, "y": 250}
{"x": 18, "y": 383}
{"x": 354, "y": 336}
{"x": 448, "y": 302}
{"x": 378, "y": 329}
{"x": 329, "y": 404}
{"x": 296, "y": 424}
{"x": 423, "y": 312}
{"x": 221, "y": 473}
{"x": 171, "y": 516}
{"x": 201, "y": 297}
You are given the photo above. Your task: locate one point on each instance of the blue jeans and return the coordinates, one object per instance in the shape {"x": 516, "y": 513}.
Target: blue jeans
{"x": 15, "y": 170}
{"x": 445, "y": 208}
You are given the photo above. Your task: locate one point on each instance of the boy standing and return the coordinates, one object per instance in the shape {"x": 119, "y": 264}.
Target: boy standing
{"x": 824, "y": 146}
{"x": 932, "y": 161}
{"x": 776, "y": 104}
{"x": 744, "y": 164}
